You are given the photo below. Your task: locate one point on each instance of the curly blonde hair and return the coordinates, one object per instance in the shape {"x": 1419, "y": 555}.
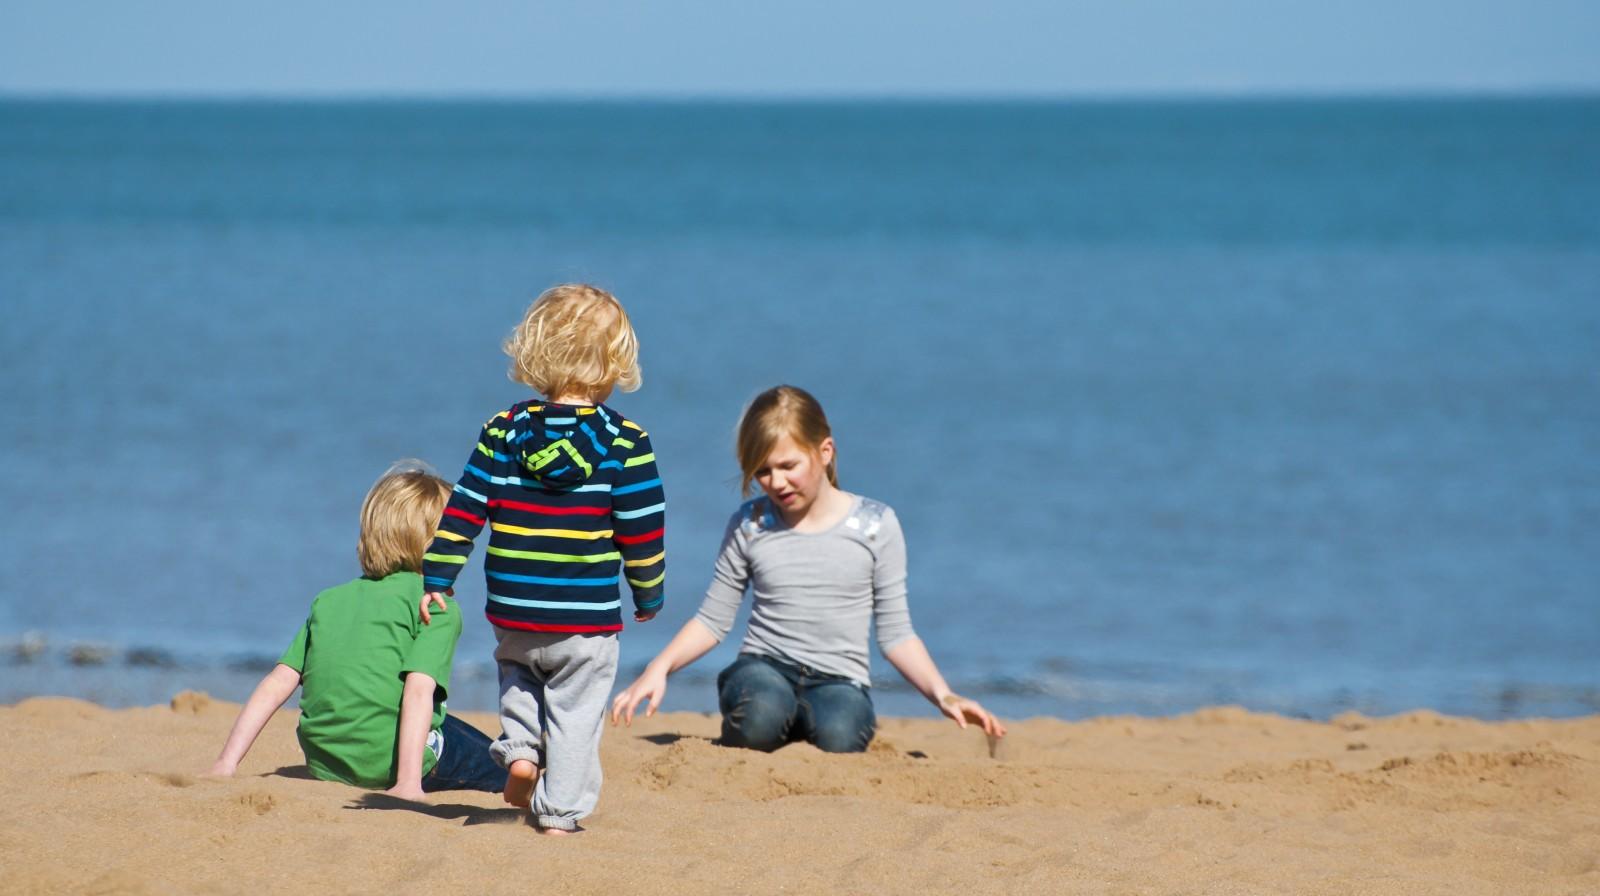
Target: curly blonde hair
{"x": 575, "y": 339}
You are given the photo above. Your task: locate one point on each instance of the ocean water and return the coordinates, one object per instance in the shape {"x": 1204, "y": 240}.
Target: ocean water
{"x": 1291, "y": 404}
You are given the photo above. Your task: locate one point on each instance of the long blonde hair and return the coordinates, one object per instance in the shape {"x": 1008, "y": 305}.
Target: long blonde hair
{"x": 575, "y": 339}
{"x": 398, "y": 518}
{"x": 780, "y": 411}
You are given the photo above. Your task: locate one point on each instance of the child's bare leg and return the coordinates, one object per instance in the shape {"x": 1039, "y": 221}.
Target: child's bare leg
{"x": 520, "y": 778}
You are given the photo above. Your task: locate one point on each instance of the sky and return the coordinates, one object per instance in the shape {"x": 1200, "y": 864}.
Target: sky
{"x": 689, "y": 48}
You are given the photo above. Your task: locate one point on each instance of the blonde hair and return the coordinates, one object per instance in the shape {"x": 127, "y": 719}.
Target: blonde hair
{"x": 574, "y": 339}
{"x": 398, "y": 518}
{"x": 778, "y": 412}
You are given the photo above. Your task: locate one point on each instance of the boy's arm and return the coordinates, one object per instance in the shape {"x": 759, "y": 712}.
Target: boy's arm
{"x": 426, "y": 671}
{"x": 639, "y": 515}
{"x": 464, "y": 516}
{"x": 273, "y": 691}
{"x": 416, "y": 712}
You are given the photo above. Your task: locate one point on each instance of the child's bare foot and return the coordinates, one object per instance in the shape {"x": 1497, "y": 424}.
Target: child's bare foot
{"x": 557, "y": 832}
{"x": 520, "y": 778}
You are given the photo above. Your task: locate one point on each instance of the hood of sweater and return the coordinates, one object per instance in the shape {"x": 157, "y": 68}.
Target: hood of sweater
{"x": 562, "y": 445}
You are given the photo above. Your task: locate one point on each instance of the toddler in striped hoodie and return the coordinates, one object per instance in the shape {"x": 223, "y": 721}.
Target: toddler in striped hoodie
{"x": 569, "y": 491}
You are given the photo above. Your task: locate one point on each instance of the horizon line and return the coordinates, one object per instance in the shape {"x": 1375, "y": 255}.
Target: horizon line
{"x": 1553, "y": 91}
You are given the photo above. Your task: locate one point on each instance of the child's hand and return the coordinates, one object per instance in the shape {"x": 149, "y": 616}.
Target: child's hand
{"x": 963, "y": 710}
{"x": 433, "y": 597}
{"x": 222, "y": 769}
{"x": 650, "y": 685}
{"x": 408, "y": 791}
{"x": 645, "y": 615}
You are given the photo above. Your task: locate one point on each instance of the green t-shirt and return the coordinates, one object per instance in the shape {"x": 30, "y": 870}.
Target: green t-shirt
{"x": 353, "y": 654}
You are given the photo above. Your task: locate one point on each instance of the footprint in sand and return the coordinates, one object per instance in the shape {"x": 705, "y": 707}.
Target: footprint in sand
{"x": 257, "y": 801}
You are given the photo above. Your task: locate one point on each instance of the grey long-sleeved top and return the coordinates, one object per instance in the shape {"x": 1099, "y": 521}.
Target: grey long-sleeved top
{"x": 816, "y": 594}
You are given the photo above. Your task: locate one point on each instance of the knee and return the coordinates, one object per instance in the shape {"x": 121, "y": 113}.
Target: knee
{"x": 757, "y": 722}
{"x": 758, "y": 707}
{"x": 841, "y": 739}
{"x": 843, "y": 723}
{"x": 843, "y": 735}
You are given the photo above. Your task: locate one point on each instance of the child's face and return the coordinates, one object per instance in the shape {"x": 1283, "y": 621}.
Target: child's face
{"x": 793, "y": 475}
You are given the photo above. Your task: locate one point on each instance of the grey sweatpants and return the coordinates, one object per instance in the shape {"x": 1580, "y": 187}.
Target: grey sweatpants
{"x": 553, "y": 693}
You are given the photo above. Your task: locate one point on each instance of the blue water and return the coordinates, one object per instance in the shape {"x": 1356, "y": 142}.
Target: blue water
{"x": 1288, "y": 404}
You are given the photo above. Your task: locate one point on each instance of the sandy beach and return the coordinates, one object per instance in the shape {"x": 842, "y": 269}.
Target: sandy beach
{"x": 1219, "y": 801}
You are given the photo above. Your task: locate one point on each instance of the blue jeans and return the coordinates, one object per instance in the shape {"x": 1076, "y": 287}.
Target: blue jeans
{"x": 464, "y": 763}
{"x": 767, "y": 703}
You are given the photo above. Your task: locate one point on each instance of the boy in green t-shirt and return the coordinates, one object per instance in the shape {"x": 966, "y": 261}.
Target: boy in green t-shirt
{"x": 372, "y": 713}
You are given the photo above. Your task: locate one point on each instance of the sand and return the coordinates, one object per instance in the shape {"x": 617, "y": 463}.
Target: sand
{"x": 1219, "y": 801}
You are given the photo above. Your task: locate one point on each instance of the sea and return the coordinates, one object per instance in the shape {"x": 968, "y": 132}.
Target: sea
{"x": 1292, "y": 404}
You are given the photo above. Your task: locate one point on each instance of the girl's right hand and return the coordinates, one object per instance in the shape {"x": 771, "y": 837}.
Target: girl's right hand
{"x": 433, "y": 597}
{"x": 650, "y": 685}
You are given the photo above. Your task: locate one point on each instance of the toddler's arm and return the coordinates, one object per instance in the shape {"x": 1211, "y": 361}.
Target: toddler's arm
{"x": 638, "y": 519}
{"x": 416, "y": 711}
{"x": 273, "y": 691}
{"x": 465, "y": 515}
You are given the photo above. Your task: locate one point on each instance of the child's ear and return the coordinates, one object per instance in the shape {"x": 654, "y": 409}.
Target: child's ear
{"x": 825, "y": 450}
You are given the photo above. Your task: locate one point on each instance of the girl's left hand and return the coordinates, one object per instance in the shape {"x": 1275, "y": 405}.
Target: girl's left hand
{"x": 963, "y": 710}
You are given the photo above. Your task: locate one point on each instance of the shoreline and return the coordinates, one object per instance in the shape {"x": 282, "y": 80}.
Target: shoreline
{"x": 1218, "y": 800}
{"x": 127, "y": 675}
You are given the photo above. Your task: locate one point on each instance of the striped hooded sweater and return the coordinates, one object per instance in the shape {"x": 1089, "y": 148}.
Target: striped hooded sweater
{"x": 573, "y": 504}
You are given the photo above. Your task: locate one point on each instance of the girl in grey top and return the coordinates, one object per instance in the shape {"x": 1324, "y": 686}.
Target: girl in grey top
{"x": 824, "y": 566}
{"x": 815, "y": 593}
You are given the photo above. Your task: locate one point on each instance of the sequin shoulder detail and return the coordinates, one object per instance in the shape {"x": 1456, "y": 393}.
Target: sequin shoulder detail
{"x": 867, "y": 518}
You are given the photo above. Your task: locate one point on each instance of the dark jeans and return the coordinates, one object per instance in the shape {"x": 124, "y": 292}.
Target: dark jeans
{"x": 767, "y": 703}
{"x": 464, "y": 763}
